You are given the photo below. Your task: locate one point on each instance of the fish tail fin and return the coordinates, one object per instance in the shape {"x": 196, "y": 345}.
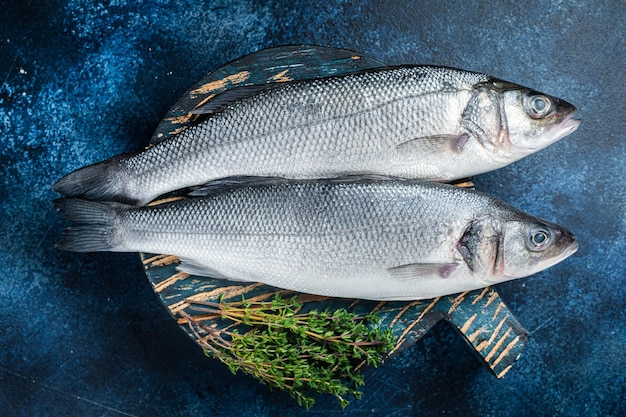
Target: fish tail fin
{"x": 99, "y": 181}
{"x": 94, "y": 226}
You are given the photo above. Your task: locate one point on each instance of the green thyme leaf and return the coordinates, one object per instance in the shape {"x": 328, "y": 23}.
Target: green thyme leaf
{"x": 302, "y": 353}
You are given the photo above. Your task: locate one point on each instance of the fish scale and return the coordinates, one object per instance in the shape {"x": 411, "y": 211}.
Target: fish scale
{"x": 393, "y": 239}
{"x": 432, "y": 123}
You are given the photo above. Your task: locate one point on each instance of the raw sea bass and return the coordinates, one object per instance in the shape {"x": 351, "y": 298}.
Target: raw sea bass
{"x": 379, "y": 240}
{"x": 432, "y": 123}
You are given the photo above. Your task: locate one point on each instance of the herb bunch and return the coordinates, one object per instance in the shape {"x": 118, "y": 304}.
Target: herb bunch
{"x": 300, "y": 352}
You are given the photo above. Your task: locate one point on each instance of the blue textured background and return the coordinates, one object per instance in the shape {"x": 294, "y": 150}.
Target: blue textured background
{"x": 84, "y": 335}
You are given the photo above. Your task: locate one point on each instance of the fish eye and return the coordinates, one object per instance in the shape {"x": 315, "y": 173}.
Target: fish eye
{"x": 538, "y": 239}
{"x": 539, "y": 106}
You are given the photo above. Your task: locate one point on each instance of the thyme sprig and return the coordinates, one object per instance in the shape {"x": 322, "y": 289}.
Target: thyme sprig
{"x": 300, "y": 352}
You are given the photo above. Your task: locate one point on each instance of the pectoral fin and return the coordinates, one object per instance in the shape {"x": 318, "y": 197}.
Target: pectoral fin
{"x": 436, "y": 144}
{"x": 410, "y": 272}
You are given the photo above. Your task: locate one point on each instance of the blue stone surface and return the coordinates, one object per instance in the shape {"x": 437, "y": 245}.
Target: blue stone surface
{"x": 80, "y": 81}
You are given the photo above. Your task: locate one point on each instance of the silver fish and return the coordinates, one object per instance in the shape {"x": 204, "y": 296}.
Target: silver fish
{"x": 426, "y": 122}
{"x": 378, "y": 240}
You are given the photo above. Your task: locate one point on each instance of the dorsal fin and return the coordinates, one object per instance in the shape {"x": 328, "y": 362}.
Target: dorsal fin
{"x": 221, "y": 184}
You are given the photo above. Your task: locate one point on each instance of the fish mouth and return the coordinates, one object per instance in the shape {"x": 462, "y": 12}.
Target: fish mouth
{"x": 569, "y": 125}
{"x": 571, "y": 249}
{"x": 566, "y": 127}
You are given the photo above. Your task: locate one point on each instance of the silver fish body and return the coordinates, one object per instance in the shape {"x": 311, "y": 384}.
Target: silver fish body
{"x": 423, "y": 122}
{"x": 379, "y": 240}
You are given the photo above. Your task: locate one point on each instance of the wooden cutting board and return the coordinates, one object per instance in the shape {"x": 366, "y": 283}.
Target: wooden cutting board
{"x": 480, "y": 316}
